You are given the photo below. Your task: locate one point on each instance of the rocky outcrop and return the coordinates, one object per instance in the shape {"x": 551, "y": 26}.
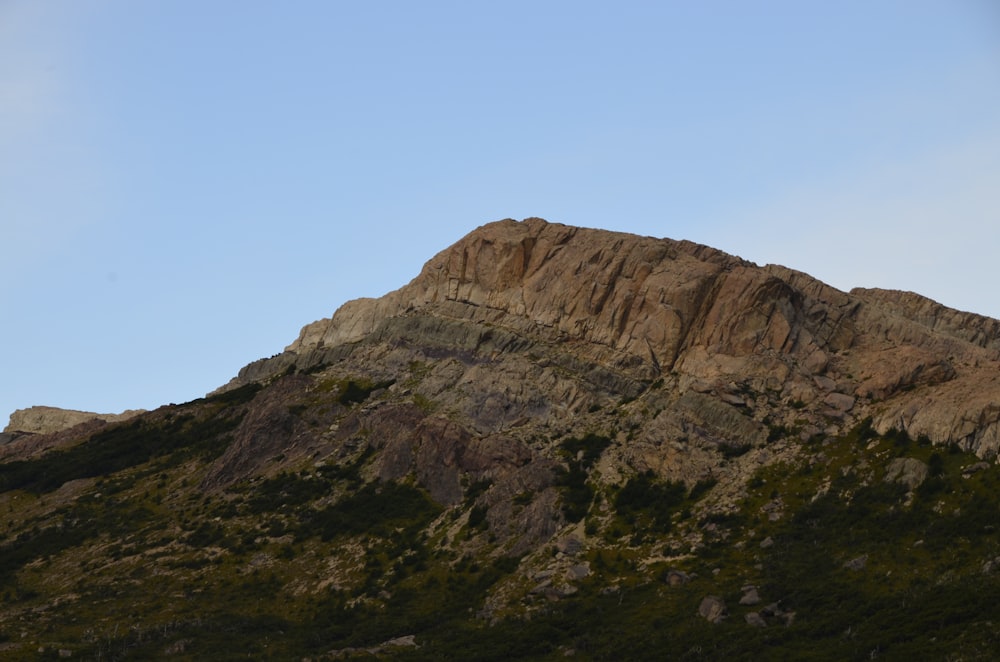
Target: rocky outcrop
{"x": 46, "y": 420}
{"x": 968, "y": 327}
{"x": 624, "y": 311}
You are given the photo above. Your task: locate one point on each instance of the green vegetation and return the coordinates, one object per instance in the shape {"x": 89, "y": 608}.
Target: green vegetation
{"x": 649, "y": 505}
{"x": 318, "y": 556}
{"x": 237, "y": 396}
{"x": 581, "y": 454}
{"x": 121, "y": 447}
{"x": 585, "y": 450}
{"x": 354, "y": 392}
{"x": 381, "y": 509}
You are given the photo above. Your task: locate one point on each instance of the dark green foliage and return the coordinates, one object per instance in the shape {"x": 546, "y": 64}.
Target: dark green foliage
{"x": 287, "y": 490}
{"x": 213, "y": 635}
{"x": 734, "y": 450}
{"x": 298, "y": 409}
{"x": 900, "y": 603}
{"x": 237, "y": 396}
{"x": 701, "y": 488}
{"x": 69, "y": 527}
{"x": 290, "y": 492}
{"x": 644, "y": 502}
{"x": 475, "y": 490}
{"x": 900, "y": 439}
{"x": 935, "y": 465}
{"x": 580, "y": 453}
{"x": 350, "y": 472}
{"x": 376, "y": 509}
{"x": 313, "y": 369}
{"x": 591, "y": 446}
{"x": 121, "y": 447}
{"x": 435, "y": 610}
{"x": 522, "y": 498}
{"x": 863, "y": 432}
{"x": 776, "y": 432}
{"x": 208, "y": 534}
{"x": 577, "y": 495}
{"x": 37, "y": 544}
{"x": 477, "y": 517}
{"x": 357, "y": 391}
{"x": 237, "y": 575}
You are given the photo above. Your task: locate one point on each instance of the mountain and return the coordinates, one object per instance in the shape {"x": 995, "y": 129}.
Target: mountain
{"x": 554, "y": 441}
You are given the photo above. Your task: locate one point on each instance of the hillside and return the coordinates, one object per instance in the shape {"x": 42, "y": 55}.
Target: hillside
{"x": 553, "y": 442}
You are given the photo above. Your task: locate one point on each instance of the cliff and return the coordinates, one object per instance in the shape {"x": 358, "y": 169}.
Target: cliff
{"x": 638, "y": 309}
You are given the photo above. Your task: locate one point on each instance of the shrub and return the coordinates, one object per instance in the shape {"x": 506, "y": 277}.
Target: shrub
{"x": 701, "y": 488}
{"x": 643, "y": 500}
{"x": 377, "y": 509}
{"x": 581, "y": 454}
{"x": 357, "y": 391}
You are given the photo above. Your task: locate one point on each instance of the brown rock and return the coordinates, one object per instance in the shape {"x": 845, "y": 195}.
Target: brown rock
{"x": 908, "y": 471}
{"x": 620, "y": 311}
{"x": 46, "y": 420}
{"x": 750, "y": 596}
{"x": 713, "y": 609}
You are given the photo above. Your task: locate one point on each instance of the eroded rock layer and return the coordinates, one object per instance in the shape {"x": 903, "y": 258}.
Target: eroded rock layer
{"x": 535, "y": 300}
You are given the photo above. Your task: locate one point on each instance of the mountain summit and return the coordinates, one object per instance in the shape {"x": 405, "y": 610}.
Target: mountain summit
{"x": 638, "y": 309}
{"x": 553, "y": 442}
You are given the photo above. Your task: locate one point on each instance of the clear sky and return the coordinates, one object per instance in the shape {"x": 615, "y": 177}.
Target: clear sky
{"x": 185, "y": 183}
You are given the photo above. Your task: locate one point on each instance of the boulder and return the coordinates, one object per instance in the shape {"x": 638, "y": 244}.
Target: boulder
{"x": 840, "y": 401}
{"x": 908, "y": 471}
{"x": 750, "y": 596}
{"x": 677, "y": 578}
{"x": 857, "y": 563}
{"x": 713, "y": 609}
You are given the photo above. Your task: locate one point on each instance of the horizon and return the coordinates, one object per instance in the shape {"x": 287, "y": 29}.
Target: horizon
{"x": 183, "y": 187}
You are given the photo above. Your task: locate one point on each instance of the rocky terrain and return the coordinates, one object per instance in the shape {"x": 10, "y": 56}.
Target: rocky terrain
{"x": 45, "y": 420}
{"x": 553, "y": 442}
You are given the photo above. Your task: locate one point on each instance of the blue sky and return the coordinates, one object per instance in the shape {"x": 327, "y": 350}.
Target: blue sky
{"x": 184, "y": 184}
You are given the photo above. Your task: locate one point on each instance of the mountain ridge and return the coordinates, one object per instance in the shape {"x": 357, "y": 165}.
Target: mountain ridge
{"x": 357, "y": 318}
{"x": 552, "y": 442}
{"x": 662, "y": 305}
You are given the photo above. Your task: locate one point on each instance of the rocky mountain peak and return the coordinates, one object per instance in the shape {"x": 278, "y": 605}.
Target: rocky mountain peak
{"x": 644, "y": 309}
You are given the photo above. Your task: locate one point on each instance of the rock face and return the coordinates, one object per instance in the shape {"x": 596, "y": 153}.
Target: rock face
{"x": 729, "y": 337}
{"x": 46, "y": 420}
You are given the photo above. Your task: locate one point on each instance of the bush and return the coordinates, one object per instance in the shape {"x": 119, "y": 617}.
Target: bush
{"x": 644, "y": 501}
{"x": 121, "y": 447}
{"x": 357, "y": 391}
{"x": 592, "y": 445}
{"x": 581, "y": 454}
{"x": 577, "y": 495}
{"x": 377, "y": 508}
